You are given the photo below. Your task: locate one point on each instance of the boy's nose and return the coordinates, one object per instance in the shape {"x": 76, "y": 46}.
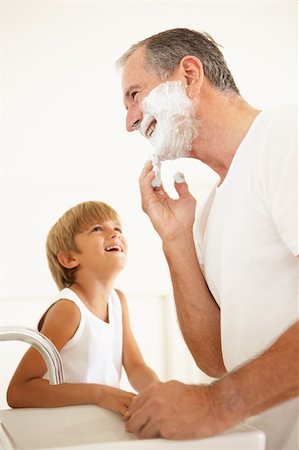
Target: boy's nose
{"x": 114, "y": 234}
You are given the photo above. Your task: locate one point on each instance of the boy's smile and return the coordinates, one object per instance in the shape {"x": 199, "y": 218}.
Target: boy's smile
{"x": 114, "y": 248}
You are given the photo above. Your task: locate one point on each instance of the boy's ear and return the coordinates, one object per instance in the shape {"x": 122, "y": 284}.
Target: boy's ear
{"x": 191, "y": 68}
{"x": 67, "y": 260}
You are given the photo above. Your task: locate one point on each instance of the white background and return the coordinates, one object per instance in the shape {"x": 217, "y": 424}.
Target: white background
{"x": 63, "y": 141}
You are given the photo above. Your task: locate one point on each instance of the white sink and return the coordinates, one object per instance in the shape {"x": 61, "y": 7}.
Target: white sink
{"x": 92, "y": 428}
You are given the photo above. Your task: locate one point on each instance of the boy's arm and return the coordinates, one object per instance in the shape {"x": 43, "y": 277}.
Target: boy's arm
{"x": 139, "y": 374}
{"x": 27, "y": 387}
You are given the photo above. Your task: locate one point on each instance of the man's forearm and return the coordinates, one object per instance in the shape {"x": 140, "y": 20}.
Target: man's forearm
{"x": 266, "y": 381}
{"x": 197, "y": 311}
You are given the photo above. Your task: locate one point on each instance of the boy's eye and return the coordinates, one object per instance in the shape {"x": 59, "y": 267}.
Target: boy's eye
{"x": 118, "y": 229}
{"x": 133, "y": 94}
{"x": 97, "y": 228}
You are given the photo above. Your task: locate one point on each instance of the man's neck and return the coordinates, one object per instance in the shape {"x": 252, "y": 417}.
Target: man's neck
{"x": 224, "y": 122}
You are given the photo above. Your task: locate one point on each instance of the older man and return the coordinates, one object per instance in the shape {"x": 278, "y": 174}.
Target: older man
{"x": 235, "y": 286}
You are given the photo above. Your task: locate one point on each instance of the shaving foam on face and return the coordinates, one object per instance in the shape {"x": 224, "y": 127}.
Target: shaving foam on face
{"x": 168, "y": 122}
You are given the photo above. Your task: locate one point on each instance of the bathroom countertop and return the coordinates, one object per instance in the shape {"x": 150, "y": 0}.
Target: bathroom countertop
{"x": 89, "y": 427}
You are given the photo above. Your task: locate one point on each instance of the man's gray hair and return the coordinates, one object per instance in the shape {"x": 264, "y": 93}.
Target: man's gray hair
{"x": 164, "y": 51}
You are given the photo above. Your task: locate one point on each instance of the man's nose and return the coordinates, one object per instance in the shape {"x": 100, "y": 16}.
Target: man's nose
{"x": 134, "y": 118}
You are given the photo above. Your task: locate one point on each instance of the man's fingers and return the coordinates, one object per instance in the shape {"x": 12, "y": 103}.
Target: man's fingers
{"x": 146, "y": 170}
{"x": 136, "y": 422}
{"x": 146, "y": 178}
{"x": 149, "y": 430}
{"x": 143, "y": 424}
{"x": 182, "y": 189}
{"x": 137, "y": 402}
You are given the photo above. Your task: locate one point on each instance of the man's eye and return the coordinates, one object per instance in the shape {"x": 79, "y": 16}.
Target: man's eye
{"x": 133, "y": 94}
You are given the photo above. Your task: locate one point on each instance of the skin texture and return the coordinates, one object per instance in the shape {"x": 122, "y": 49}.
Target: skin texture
{"x": 174, "y": 410}
{"x": 94, "y": 280}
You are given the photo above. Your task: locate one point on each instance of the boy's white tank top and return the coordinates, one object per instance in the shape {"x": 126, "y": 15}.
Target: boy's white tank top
{"x": 94, "y": 353}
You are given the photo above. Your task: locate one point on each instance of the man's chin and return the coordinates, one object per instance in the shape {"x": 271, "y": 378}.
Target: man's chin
{"x": 169, "y": 155}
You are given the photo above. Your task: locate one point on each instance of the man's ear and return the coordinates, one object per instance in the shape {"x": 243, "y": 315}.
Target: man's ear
{"x": 67, "y": 260}
{"x": 191, "y": 68}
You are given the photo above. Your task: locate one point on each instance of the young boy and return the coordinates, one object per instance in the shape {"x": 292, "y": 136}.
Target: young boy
{"x": 88, "y": 322}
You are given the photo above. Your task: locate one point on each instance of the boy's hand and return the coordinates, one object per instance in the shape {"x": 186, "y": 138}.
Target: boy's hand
{"x": 115, "y": 399}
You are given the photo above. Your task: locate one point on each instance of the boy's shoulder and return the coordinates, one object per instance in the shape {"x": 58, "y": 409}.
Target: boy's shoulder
{"x": 62, "y": 310}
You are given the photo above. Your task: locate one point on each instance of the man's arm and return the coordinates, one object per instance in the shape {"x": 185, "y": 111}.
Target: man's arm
{"x": 207, "y": 410}
{"x": 269, "y": 379}
{"x": 197, "y": 311}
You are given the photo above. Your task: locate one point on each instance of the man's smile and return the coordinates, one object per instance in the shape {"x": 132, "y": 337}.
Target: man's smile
{"x": 151, "y": 129}
{"x": 147, "y": 126}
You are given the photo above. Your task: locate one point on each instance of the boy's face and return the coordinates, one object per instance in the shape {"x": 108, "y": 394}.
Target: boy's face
{"x": 102, "y": 249}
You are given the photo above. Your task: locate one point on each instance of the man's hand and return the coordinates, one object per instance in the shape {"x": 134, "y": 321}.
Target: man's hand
{"x": 169, "y": 217}
{"x": 174, "y": 410}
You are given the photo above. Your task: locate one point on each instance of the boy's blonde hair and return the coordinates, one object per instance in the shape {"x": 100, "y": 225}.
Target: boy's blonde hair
{"x": 61, "y": 237}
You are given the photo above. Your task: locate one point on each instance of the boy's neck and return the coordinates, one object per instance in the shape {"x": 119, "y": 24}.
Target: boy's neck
{"x": 95, "y": 296}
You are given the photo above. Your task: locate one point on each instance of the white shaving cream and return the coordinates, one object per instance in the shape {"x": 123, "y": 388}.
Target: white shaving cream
{"x": 171, "y": 111}
{"x": 179, "y": 177}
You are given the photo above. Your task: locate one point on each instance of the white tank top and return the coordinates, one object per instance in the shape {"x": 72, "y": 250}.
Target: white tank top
{"x": 94, "y": 353}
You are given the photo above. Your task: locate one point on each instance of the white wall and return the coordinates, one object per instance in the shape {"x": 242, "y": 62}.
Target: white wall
{"x": 63, "y": 138}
